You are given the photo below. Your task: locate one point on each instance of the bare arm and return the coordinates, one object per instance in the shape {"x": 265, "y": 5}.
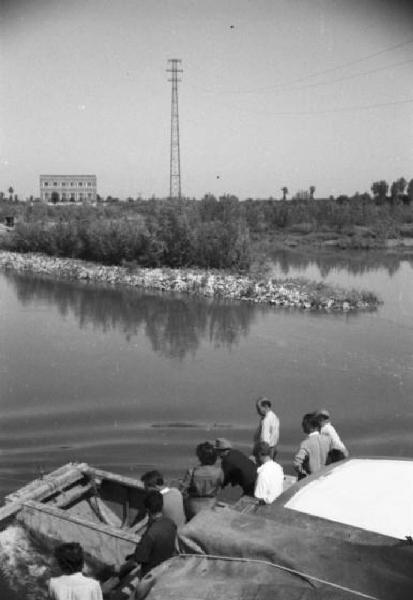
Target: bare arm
{"x": 337, "y": 444}
{"x": 299, "y": 459}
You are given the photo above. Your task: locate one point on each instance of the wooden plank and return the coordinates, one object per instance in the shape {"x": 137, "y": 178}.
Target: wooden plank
{"x": 40, "y": 489}
{"x": 122, "y": 479}
{"x": 9, "y": 511}
{"x": 49, "y": 484}
{"x": 70, "y": 496}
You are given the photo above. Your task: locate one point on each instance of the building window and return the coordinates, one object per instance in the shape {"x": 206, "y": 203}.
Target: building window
{"x": 63, "y": 184}
{"x": 46, "y": 184}
{"x": 55, "y": 183}
{"x": 89, "y": 195}
{"x": 80, "y": 184}
{"x": 71, "y": 184}
{"x": 89, "y": 184}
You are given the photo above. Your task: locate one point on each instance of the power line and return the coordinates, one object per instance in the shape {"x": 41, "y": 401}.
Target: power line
{"x": 345, "y": 78}
{"x": 354, "y": 75}
{"x": 362, "y": 107}
{"x": 318, "y": 73}
{"x": 333, "y": 110}
{"x": 355, "y": 61}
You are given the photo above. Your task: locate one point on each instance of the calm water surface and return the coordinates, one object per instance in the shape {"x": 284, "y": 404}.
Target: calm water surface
{"x": 128, "y": 380}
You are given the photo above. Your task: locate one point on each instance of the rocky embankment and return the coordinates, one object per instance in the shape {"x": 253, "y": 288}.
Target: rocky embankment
{"x": 297, "y": 293}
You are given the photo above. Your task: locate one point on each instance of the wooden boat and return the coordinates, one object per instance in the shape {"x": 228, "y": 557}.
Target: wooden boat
{"x": 77, "y": 503}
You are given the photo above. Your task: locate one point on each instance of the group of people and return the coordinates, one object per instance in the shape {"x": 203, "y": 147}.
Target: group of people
{"x": 259, "y": 476}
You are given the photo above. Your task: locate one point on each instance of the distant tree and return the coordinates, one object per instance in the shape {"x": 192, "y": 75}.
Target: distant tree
{"x": 302, "y": 195}
{"x": 11, "y": 191}
{"x": 209, "y": 208}
{"x": 380, "y": 189}
{"x": 312, "y": 191}
{"x": 285, "y": 192}
{"x": 342, "y": 199}
{"x": 229, "y": 207}
{"x": 397, "y": 188}
{"x": 1, "y": 196}
{"x": 410, "y": 191}
{"x": 365, "y": 197}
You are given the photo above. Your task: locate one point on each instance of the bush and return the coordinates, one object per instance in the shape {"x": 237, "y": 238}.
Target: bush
{"x": 173, "y": 237}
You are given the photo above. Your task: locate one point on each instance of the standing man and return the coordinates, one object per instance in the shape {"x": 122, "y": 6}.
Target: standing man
{"x": 173, "y": 502}
{"x": 268, "y": 429}
{"x": 238, "y": 469}
{"x": 313, "y": 451}
{"x": 270, "y": 475}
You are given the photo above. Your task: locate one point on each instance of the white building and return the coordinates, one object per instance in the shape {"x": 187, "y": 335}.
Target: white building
{"x": 68, "y": 188}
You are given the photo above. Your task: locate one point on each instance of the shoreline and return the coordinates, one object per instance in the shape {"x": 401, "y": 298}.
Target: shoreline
{"x": 292, "y": 293}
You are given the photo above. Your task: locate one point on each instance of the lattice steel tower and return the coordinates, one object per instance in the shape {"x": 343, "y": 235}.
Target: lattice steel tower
{"x": 175, "y": 160}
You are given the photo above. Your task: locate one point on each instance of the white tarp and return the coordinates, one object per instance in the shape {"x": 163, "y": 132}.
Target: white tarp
{"x": 374, "y": 494}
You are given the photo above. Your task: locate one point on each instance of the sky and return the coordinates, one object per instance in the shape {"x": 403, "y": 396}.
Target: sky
{"x": 274, "y": 93}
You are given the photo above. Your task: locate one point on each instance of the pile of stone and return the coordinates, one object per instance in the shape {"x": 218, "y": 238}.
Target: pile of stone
{"x": 298, "y": 293}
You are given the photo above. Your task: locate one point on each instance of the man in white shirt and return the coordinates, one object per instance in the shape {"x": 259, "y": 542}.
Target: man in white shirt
{"x": 270, "y": 475}
{"x": 268, "y": 429}
{"x": 72, "y": 585}
{"x": 327, "y": 428}
{"x": 173, "y": 503}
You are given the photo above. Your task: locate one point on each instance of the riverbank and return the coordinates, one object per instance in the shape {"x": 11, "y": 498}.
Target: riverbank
{"x": 298, "y": 293}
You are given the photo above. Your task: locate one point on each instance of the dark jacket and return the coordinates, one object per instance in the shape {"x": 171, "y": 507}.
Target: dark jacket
{"x": 239, "y": 470}
{"x": 157, "y": 544}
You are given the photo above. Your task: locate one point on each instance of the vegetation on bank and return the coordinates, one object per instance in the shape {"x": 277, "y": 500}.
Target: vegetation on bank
{"x": 298, "y": 293}
{"x": 219, "y": 233}
{"x": 168, "y": 234}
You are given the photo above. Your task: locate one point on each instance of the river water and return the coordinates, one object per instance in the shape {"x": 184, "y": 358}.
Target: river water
{"x": 130, "y": 380}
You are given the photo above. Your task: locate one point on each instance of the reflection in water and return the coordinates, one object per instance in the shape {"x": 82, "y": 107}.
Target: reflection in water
{"x": 175, "y": 325}
{"x": 358, "y": 263}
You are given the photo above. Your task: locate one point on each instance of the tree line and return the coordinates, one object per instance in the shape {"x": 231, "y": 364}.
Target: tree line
{"x": 209, "y": 233}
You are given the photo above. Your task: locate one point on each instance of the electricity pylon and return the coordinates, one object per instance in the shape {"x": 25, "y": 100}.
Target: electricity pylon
{"x": 175, "y": 159}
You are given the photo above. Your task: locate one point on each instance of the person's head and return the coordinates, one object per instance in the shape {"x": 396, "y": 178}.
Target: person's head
{"x": 152, "y": 480}
{"x": 263, "y": 405}
{"x": 69, "y": 557}
{"x": 262, "y": 452}
{"x": 206, "y": 453}
{"x": 310, "y": 423}
{"x": 323, "y": 416}
{"x": 222, "y": 446}
{"x": 153, "y": 502}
